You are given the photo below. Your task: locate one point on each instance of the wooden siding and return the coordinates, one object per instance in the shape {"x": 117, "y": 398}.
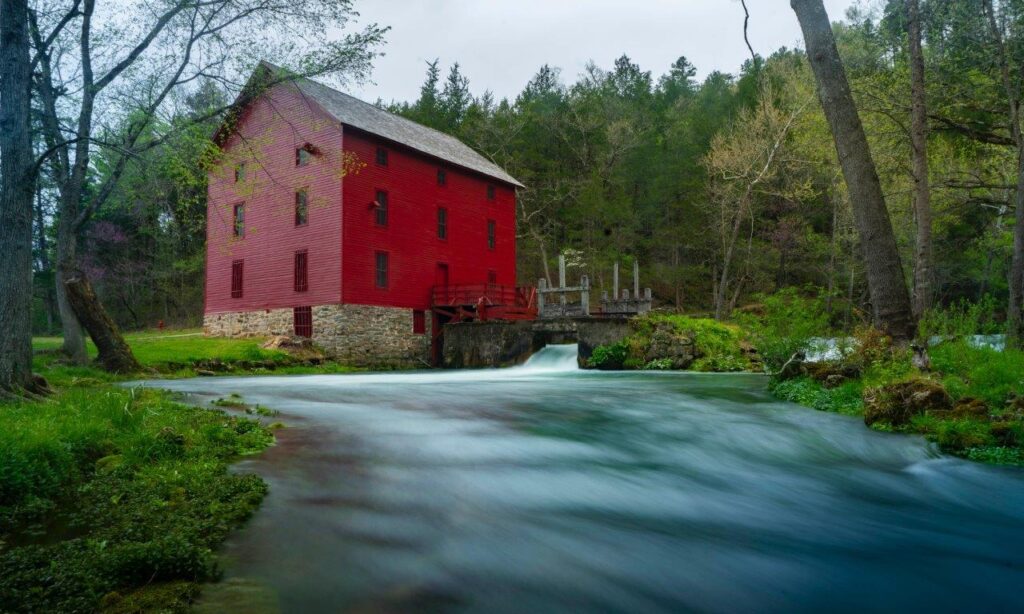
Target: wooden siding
{"x": 342, "y": 241}
{"x": 410, "y": 236}
{"x": 268, "y": 133}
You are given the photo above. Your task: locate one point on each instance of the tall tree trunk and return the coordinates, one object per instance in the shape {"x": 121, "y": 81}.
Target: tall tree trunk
{"x": 1015, "y": 320}
{"x": 890, "y": 300}
{"x": 45, "y": 265}
{"x": 114, "y": 353}
{"x": 923, "y": 270}
{"x": 16, "y": 191}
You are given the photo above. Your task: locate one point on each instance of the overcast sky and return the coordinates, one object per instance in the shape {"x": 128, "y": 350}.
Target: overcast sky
{"x": 500, "y": 44}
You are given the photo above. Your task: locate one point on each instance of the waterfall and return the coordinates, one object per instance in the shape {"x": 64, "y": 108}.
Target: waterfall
{"x": 553, "y": 359}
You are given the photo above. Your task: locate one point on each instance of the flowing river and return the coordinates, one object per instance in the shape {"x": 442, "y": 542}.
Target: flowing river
{"x": 546, "y": 488}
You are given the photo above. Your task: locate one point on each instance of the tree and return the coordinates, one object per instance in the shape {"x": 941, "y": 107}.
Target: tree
{"x": 1009, "y": 72}
{"x": 919, "y": 147}
{"x": 890, "y": 300}
{"x": 746, "y": 161}
{"x": 17, "y": 182}
{"x": 168, "y": 51}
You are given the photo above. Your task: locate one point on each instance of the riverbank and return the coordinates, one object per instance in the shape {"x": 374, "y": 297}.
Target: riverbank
{"x": 969, "y": 400}
{"x": 114, "y": 499}
{"x": 666, "y": 341}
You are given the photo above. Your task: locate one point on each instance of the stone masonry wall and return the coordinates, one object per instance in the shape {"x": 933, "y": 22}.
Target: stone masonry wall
{"x": 360, "y": 335}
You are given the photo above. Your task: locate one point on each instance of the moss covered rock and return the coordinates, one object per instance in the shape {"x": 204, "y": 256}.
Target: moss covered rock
{"x": 898, "y": 403}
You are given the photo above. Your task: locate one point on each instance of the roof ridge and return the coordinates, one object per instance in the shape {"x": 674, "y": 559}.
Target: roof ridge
{"x": 373, "y": 119}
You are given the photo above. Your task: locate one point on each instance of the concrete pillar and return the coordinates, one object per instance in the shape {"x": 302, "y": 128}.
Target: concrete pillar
{"x": 615, "y": 280}
{"x": 636, "y": 278}
{"x": 561, "y": 279}
{"x": 585, "y": 294}
{"x": 542, "y": 285}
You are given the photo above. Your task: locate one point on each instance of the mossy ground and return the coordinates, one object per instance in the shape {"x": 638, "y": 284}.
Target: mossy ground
{"x": 112, "y": 498}
{"x": 717, "y": 346}
{"x": 995, "y": 378}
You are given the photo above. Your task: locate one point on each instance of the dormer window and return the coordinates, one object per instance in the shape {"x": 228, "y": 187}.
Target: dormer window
{"x": 240, "y": 172}
{"x": 382, "y": 156}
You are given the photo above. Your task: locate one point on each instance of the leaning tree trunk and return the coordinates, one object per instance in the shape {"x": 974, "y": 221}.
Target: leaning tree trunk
{"x": 923, "y": 270}
{"x": 74, "y": 336}
{"x": 16, "y": 191}
{"x": 887, "y": 288}
{"x": 114, "y": 353}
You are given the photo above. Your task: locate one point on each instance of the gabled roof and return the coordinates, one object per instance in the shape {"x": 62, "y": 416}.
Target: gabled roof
{"x": 353, "y": 112}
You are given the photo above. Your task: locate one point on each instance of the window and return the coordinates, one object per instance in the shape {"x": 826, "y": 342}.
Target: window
{"x": 301, "y": 208}
{"x": 491, "y": 234}
{"x": 237, "y": 270}
{"x": 490, "y": 192}
{"x": 301, "y": 271}
{"x": 382, "y": 156}
{"x": 381, "y": 208}
{"x": 240, "y": 172}
{"x": 303, "y": 318}
{"x": 382, "y": 269}
{"x": 239, "y": 224}
{"x": 492, "y": 277}
{"x": 442, "y": 178}
{"x": 419, "y": 322}
{"x": 302, "y": 156}
{"x": 442, "y": 223}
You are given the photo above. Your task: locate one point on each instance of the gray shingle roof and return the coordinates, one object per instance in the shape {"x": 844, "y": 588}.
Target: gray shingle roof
{"x": 364, "y": 116}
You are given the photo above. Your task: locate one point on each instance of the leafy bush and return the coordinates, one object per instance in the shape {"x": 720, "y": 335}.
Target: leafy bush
{"x": 785, "y": 323}
{"x": 845, "y": 399}
{"x": 961, "y": 319}
{"x": 609, "y": 357}
{"x": 983, "y": 373}
{"x": 659, "y": 364}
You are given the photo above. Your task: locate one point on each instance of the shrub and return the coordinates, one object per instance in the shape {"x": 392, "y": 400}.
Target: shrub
{"x": 984, "y": 373}
{"x": 609, "y": 357}
{"x": 787, "y": 323}
{"x": 960, "y": 319}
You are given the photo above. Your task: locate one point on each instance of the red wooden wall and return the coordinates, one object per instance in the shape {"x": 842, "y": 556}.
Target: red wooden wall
{"x": 342, "y": 241}
{"x": 266, "y": 138}
{"x": 410, "y": 237}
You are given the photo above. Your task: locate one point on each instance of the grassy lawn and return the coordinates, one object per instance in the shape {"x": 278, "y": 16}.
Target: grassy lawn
{"x": 114, "y": 499}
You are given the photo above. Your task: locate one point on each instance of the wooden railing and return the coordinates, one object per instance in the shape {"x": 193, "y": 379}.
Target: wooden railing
{"x": 489, "y": 294}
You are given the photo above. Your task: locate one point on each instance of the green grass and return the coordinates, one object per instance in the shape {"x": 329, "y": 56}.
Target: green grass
{"x": 178, "y": 353}
{"x": 108, "y": 493}
{"x": 113, "y": 499}
{"x": 155, "y": 349}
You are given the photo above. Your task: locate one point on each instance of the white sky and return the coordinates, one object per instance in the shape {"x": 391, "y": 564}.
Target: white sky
{"x": 500, "y": 44}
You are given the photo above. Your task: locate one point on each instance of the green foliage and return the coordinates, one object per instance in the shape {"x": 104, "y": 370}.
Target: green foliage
{"x": 785, "y": 323}
{"x": 964, "y": 371}
{"x": 982, "y": 373}
{"x": 609, "y": 357}
{"x": 658, "y": 364}
{"x": 961, "y": 319}
{"x": 106, "y": 490}
{"x": 717, "y": 346}
{"x": 845, "y": 399}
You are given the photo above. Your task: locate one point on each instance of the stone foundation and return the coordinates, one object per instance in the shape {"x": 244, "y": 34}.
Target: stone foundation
{"x": 359, "y": 335}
